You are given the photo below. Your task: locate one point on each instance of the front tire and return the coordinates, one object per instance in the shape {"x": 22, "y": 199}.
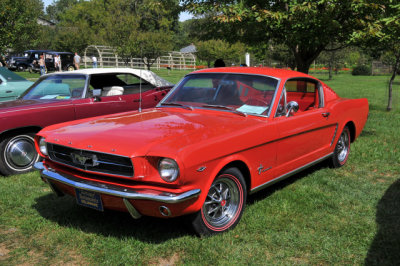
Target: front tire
{"x": 342, "y": 149}
{"x": 70, "y": 68}
{"x": 21, "y": 68}
{"x": 224, "y": 204}
{"x": 17, "y": 154}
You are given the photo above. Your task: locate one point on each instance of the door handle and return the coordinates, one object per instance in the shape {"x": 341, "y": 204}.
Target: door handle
{"x": 8, "y": 91}
{"x": 326, "y": 114}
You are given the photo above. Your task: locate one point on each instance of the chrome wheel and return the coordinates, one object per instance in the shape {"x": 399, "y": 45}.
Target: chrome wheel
{"x": 342, "y": 149}
{"x": 343, "y": 146}
{"x": 20, "y": 153}
{"x": 222, "y": 202}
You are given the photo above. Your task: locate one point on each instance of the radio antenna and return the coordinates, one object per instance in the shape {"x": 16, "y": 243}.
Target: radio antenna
{"x": 140, "y": 82}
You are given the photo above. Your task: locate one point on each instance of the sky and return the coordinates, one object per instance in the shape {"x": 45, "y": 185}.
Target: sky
{"x": 182, "y": 17}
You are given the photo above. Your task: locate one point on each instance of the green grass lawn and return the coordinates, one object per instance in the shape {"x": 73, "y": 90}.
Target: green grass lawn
{"x": 340, "y": 216}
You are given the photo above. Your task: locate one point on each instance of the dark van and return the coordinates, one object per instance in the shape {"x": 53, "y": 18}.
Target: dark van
{"x": 30, "y": 61}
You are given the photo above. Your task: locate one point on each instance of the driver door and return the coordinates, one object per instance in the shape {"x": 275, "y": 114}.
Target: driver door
{"x": 306, "y": 135}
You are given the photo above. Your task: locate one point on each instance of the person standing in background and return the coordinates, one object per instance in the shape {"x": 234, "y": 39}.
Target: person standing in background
{"x": 77, "y": 60}
{"x": 42, "y": 65}
{"x": 56, "y": 62}
{"x": 94, "y": 60}
{"x": 59, "y": 63}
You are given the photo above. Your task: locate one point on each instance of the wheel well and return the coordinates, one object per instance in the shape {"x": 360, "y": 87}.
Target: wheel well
{"x": 352, "y": 129}
{"x": 243, "y": 169}
{"x": 21, "y": 130}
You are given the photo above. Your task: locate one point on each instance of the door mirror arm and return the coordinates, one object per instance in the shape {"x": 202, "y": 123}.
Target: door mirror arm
{"x": 292, "y": 107}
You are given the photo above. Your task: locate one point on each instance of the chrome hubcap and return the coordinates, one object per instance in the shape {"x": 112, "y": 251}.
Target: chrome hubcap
{"x": 222, "y": 202}
{"x": 20, "y": 152}
{"x": 343, "y": 146}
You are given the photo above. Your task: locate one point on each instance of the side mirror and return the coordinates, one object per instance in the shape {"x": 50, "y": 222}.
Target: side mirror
{"x": 96, "y": 93}
{"x": 292, "y": 107}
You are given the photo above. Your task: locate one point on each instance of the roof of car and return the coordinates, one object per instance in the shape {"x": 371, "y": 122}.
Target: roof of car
{"x": 274, "y": 72}
{"x": 145, "y": 74}
{"x": 53, "y": 52}
{"x": 89, "y": 71}
{"x": 37, "y": 51}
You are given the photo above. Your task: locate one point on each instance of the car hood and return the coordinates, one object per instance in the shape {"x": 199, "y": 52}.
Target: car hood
{"x": 158, "y": 131}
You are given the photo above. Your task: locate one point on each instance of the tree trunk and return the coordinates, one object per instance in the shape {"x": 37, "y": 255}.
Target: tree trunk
{"x": 395, "y": 68}
{"x": 304, "y": 58}
{"x": 303, "y": 67}
{"x": 330, "y": 68}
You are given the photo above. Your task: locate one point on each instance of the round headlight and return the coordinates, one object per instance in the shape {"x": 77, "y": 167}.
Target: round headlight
{"x": 43, "y": 146}
{"x": 168, "y": 169}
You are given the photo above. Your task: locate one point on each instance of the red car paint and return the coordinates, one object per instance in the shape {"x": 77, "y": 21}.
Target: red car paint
{"x": 205, "y": 140}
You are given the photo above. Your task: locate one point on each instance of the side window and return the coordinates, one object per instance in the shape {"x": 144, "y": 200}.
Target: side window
{"x": 305, "y": 92}
{"x": 134, "y": 84}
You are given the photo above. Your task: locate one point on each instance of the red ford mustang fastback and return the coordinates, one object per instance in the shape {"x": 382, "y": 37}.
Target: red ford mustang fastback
{"x": 219, "y": 135}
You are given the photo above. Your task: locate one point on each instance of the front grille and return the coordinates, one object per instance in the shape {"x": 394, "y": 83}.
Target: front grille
{"x": 91, "y": 161}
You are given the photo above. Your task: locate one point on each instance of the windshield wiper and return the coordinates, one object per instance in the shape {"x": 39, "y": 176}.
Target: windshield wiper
{"x": 179, "y": 105}
{"x": 225, "y": 108}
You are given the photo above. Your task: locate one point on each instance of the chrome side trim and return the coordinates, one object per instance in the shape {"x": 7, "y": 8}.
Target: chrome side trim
{"x": 132, "y": 211}
{"x": 113, "y": 190}
{"x": 282, "y": 177}
{"x": 334, "y": 135}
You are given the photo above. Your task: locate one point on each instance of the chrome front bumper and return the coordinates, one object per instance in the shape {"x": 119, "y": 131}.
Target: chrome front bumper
{"x": 117, "y": 191}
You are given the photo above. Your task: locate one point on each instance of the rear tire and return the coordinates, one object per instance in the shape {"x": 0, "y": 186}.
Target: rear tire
{"x": 70, "y": 68}
{"x": 224, "y": 205}
{"x": 18, "y": 154}
{"x": 342, "y": 149}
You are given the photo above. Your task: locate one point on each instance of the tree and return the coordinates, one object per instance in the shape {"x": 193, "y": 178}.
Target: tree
{"x": 383, "y": 37}
{"x": 307, "y": 27}
{"x": 334, "y": 59}
{"x": 18, "y": 23}
{"x": 211, "y": 50}
{"x": 57, "y": 8}
{"x": 142, "y": 29}
{"x": 152, "y": 44}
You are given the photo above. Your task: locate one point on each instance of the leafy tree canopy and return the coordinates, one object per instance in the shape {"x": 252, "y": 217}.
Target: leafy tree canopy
{"x": 58, "y": 7}
{"x": 211, "y": 50}
{"x": 111, "y": 22}
{"x": 383, "y": 37}
{"x": 305, "y": 26}
{"x": 18, "y": 23}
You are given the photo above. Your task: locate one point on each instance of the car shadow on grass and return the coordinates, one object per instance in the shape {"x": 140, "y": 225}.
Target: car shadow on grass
{"x": 65, "y": 212}
{"x": 385, "y": 248}
{"x": 268, "y": 191}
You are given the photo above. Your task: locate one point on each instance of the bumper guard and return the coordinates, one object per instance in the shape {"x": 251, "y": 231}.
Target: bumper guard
{"x": 153, "y": 195}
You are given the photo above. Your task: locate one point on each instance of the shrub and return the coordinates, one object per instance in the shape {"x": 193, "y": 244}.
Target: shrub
{"x": 361, "y": 70}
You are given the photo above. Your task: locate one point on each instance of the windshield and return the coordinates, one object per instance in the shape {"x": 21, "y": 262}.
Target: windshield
{"x": 249, "y": 94}
{"x": 58, "y": 87}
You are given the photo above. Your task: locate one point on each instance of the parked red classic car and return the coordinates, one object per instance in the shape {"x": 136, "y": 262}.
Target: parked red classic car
{"x": 66, "y": 96}
{"x": 219, "y": 135}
